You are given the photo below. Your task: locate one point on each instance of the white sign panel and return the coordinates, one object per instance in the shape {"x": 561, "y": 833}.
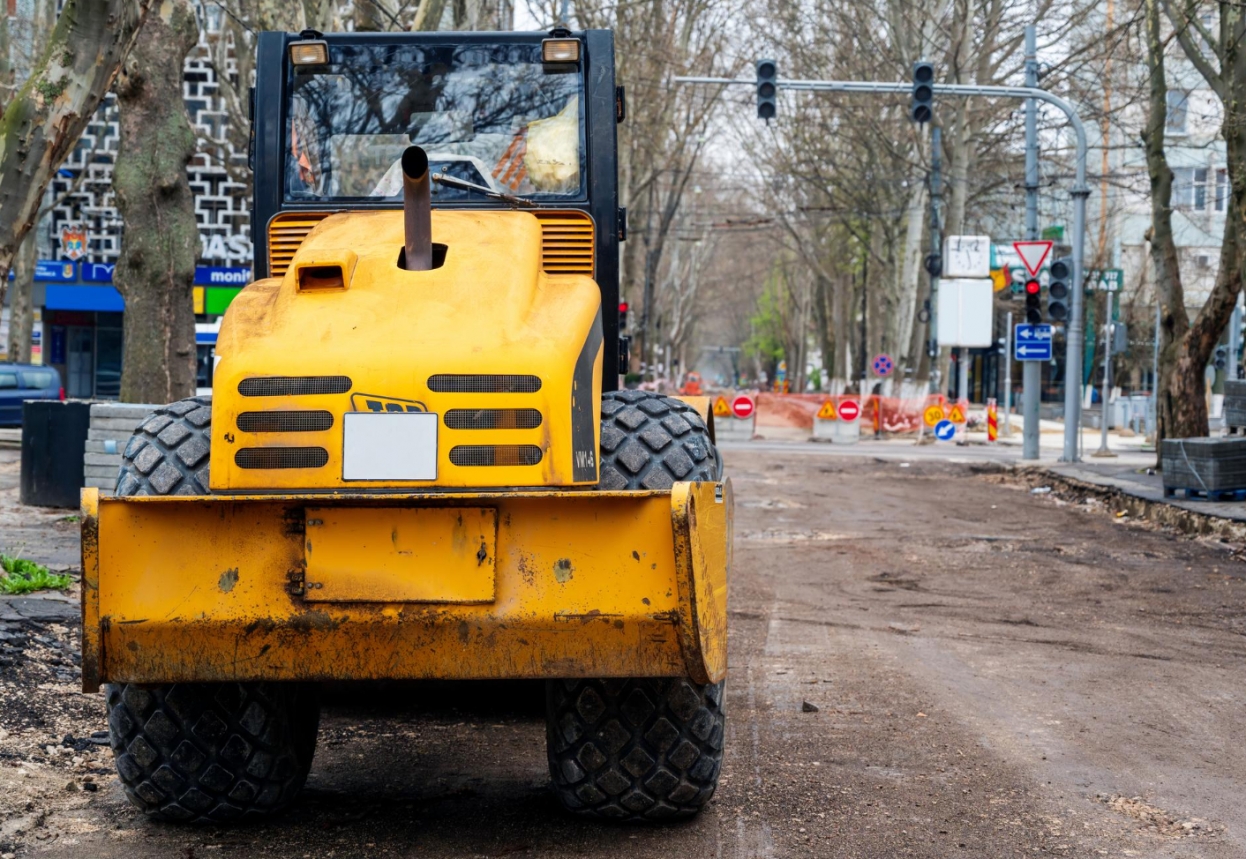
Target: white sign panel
{"x": 967, "y": 256}
{"x": 965, "y": 312}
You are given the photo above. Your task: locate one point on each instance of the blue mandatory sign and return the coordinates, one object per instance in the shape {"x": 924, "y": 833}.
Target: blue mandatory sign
{"x": 945, "y": 430}
{"x": 1032, "y": 342}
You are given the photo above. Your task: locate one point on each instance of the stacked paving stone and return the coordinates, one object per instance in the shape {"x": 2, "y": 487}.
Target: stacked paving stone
{"x": 1205, "y": 466}
{"x": 1235, "y": 404}
{"x": 112, "y": 424}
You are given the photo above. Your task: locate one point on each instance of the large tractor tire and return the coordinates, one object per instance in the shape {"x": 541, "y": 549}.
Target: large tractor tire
{"x": 649, "y": 441}
{"x": 645, "y": 749}
{"x": 642, "y": 749}
{"x": 203, "y": 752}
{"x": 212, "y": 752}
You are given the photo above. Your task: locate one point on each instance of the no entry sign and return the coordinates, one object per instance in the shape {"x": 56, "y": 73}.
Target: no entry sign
{"x": 849, "y": 410}
{"x": 742, "y": 407}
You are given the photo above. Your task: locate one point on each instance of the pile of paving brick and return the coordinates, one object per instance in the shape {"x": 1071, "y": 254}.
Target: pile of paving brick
{"x": 112, "y": 424}
{"x": 1212, "y": 469}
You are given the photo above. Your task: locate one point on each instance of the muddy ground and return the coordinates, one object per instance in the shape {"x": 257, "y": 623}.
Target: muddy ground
{"x": 995, "y": 673}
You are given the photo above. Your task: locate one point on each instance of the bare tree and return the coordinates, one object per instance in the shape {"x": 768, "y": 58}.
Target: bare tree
{"x": 161, "y": 240}
{"x": 43, "y": 122}
{"x": 1221, "y": 59}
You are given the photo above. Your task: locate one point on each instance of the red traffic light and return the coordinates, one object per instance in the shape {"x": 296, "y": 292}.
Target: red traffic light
{"x": 622, "y": 307}
{"x": 1032, "y": 287}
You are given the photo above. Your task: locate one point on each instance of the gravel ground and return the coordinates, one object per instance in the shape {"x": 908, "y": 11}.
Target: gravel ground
{"x": 926, "y": 660}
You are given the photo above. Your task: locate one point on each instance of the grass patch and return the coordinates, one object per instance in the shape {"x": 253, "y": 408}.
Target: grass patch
{"x": 21, "y": 576}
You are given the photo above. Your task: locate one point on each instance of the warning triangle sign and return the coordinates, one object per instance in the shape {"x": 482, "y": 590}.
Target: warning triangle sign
{"x": 827, "y": 412}
{"x": 1033, "y": 254}
{"x": 721, "y": 409}
{"x": 956, "y": 415}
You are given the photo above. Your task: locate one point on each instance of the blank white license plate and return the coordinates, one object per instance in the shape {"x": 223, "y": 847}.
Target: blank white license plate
{"x": 389, "y": 446}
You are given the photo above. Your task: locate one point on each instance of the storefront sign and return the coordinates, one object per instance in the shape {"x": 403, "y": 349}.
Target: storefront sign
{"x": 213, "y": 275}
{"x": 56, "y": 271}
{"x": 97, "y": 272}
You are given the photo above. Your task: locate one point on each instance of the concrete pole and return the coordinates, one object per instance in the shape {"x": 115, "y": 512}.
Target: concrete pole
{"x": 1008, "y": 376}
{"x": 1104, "y": 450}
{"x": 1031, "y": 371}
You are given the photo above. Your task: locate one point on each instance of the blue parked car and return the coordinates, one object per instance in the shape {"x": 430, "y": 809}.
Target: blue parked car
{"x": 21, "y": 382}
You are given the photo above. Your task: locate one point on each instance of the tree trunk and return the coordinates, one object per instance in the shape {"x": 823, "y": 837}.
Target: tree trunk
{"x": 157, "y": 262}
{"x": 21, "y": 319}
{"x": 41, "y": 126}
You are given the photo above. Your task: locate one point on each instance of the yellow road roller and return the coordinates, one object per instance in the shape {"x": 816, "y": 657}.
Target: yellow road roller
{"x": 416, "y": 462}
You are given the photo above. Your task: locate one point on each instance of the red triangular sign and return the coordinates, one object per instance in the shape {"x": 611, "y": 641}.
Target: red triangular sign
{"x": 1033, "y": 255}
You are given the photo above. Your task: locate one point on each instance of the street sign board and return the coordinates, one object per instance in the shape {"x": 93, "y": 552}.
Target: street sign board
{"x": 967, "y": 256}
{"x": 742, "y": 406}
{"x": 721, "y": 409}
{"x": 883, "y": 365}
{"x": 849, "y": 410}
{"x": 827, "y": 412}
{"x": 1033, "y": 254}
{"x": 956, "y": 414}
{"x": 966, "y": 312}
{"x": 945, "y": 430}
{"x": 932, "y": 415}
{"x": 1106, "y": 279}
{"x": 1032, "y": 342}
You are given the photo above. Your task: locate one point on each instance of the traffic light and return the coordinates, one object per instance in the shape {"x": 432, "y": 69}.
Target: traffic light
{"x": 767, "y": 89}
{"x": 1221, "y": 357}
{"x": 1033, "y": 311}
{"x": 622, "y": 315}
{"x": 1061, "y": 272}
{"x": 922, "y": 107}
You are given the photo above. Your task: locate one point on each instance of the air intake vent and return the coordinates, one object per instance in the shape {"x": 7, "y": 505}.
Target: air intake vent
{"x": 285, "y": 233}
{"x": 566, "y": 242}
{"x": 470, "y": 419}
{"x": 312, "y": 421}
{"x": 500, "y": 454}
{"x": 448, "y": 384}
{"x": 293, "y": 386}
{"x": 281, "y": 457}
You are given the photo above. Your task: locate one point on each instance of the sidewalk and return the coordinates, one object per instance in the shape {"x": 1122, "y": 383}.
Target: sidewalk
{"x": 1133, "y": 480}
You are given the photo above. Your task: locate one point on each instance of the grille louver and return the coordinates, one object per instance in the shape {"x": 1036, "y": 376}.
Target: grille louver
{"x": 309, "y": 421}
{"x": 287, "y": 386}
{"x": 281, "y": 457}
{"x": 566, "y": 242}
{"x": 285, "y": 233}
{"x": 495, "y": 454}
{"x": 465, "y": 419}
{"x": 449, "y": 383}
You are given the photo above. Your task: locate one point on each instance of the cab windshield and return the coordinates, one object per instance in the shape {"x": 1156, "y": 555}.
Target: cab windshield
{"x": 494, "y": 115}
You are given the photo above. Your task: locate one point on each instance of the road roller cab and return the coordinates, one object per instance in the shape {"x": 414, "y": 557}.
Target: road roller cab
{"x": 415, "y": 463}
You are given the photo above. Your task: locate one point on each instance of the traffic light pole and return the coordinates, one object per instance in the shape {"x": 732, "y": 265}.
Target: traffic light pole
{"x": 1031, "y": 371}
{"x": 1076, "y": 329}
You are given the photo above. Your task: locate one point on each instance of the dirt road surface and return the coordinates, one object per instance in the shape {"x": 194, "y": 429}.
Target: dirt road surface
{"x": 927, "y": 660}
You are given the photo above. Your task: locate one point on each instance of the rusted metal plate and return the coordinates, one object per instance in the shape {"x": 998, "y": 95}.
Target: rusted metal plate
{"x": 412, "y": 554}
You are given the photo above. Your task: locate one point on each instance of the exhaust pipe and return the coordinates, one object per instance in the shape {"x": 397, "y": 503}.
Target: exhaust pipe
{"x": 417, "y": 210}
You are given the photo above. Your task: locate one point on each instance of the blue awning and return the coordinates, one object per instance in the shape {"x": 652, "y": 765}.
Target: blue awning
{"x": 102, "y": 299}
{"x": 205, "y": 336}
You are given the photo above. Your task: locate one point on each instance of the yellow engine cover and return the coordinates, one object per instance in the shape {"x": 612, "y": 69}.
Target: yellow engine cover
{"x": 506, "y": 357}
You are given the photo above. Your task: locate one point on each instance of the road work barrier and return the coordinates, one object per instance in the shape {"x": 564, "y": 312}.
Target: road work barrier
{"x": 887, "y": 416}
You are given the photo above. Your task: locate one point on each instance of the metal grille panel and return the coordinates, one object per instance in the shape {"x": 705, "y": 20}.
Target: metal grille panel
{"x": 472, "y": 419}
{"x": 454, "y": 384}
{"x": 308, "y": 421}
{"x": 281, "y": 457}
{"x": 495, "y": 454}
{"x": 566, "y": 242}
{"x": 286, "y": 386}
{"x": 285, "y": 234}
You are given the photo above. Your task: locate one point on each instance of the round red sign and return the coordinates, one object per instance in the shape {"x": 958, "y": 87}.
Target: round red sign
{"x": 849, "y": 410}
{"x": 742, "y": 406}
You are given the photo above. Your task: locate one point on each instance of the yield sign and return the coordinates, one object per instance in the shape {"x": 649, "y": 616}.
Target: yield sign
{"x": 1033, "y": 255}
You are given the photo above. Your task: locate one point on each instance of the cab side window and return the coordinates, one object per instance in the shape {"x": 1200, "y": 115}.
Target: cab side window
{"x": 8, "y": 380}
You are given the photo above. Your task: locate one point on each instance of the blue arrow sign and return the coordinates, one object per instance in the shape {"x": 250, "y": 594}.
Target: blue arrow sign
{"x": 1033, "y": 333}
{"x": 945, "y": 430}
{"x": 1032, "y": 342}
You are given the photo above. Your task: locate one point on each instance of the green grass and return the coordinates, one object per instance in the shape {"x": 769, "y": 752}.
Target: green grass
{"x": 20, "y": 576}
